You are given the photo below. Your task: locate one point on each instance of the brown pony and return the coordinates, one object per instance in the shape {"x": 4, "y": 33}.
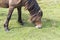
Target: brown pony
{"x": 31, "y": 5}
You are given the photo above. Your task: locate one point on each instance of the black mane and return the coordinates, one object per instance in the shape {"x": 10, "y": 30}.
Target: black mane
{"x": 32, "y": 6}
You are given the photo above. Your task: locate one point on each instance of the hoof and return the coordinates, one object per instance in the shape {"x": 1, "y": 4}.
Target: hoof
{"x": 39, "y": 26}
{"x": 21, "y": 22}
{"x": 7, "y": 30}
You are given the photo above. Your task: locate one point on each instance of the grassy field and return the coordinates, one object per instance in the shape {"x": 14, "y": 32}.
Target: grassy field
{"x": 50, "y": 29}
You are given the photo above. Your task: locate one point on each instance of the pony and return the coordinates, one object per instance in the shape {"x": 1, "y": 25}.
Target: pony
{"x": 31, "y": 5}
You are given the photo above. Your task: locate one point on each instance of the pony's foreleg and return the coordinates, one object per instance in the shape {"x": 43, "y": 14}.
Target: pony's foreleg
{"x": 19, "y": 16}
{"x": 11, "y": 8}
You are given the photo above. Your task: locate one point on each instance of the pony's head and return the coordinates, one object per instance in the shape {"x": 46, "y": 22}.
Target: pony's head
{"x": 35, "y": 12}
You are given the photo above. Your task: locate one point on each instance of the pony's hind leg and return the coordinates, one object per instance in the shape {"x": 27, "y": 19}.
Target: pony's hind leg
{"x": 19, "y": 16}
{"x": 11, "y": 8}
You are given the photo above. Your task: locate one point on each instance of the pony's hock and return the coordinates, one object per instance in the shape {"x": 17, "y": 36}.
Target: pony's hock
{"x": 31, "y": 5}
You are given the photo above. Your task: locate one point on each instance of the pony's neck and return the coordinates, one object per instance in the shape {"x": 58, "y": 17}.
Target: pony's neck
{"x": 32, "y": 6}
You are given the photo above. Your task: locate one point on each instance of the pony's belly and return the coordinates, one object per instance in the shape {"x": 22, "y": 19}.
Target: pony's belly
{"x": 4, "y": 5}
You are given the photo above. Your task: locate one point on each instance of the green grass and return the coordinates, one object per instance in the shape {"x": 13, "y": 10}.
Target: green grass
{"x": 50, "y": 20}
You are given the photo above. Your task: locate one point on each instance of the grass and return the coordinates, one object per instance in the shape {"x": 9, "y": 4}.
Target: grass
{"x": 50, "y": 29}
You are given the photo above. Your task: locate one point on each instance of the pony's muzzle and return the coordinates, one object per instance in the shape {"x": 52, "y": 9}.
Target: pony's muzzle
{"x": 39, "y": 26}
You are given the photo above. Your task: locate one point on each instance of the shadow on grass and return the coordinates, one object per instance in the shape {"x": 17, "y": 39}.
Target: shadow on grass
{"x": 47, "y": 23}
{"x": 26, "y": 24}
